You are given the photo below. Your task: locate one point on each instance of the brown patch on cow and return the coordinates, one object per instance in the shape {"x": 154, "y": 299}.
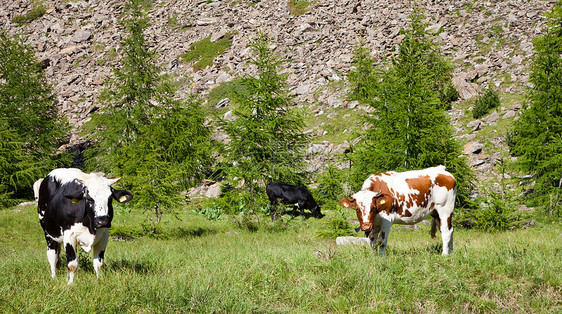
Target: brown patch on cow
{"x": 422, "y": 185}
{"x": 407, "y": 213}
{"x": 446, "y": 181}
{"x": 449, "y": 221}
{"x": 379, "y": 186}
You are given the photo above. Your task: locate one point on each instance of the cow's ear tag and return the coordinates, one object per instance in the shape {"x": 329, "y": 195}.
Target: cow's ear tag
{"x": 122, "y": 198}
{"x": 75, "y": 200}
{"x": 383, "y": 201}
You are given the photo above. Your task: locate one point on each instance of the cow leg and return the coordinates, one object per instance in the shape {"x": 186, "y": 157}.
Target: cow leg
{"x": 70, "y": 249}
{"x": 383, "y": 236}
{"x": 53, "y": 251}
{"x": 102, "y": 236}
{"x": 302, "y": 206}
{"x": 272, "y": 208}
{"x": 447, "y": 234}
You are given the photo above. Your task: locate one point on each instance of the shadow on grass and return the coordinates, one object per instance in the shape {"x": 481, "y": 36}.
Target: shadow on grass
{"x": 136, "y": 266}
{"x": 296, "y": 213}
{"x": 182, "y": 233}
{"x": 130, "y": 234}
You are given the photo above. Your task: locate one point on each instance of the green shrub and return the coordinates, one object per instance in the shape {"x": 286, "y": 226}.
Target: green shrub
{"x": 35, "y": 13}
{"x": 330, "y": 187}
{"x": 212, "y": 213}
{"x": 337, "y": 226}
{"x": 490, "y": 213}
{"x": 448, "y": 94}
{"x": 485, "y": 103}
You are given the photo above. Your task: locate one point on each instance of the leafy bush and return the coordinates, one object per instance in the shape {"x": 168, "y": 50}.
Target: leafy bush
{"x": 338, "y": 226}
{"x": 212, "y": 213}
{"x": 485, "y": 103}
{"x": 448, "y": 94}
{"x": 491, "y": 213}
{"x": 330, "y": 185}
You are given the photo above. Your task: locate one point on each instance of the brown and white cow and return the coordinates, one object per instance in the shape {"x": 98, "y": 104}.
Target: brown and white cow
{"x": 405, "y": 198}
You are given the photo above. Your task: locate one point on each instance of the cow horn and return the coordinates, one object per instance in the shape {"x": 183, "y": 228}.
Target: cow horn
{"x": 113, "y": 181}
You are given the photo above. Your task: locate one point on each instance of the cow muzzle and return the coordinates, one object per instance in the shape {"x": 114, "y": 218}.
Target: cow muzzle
{"x": 102, "y": 222}
{"x": 366, "y": 227}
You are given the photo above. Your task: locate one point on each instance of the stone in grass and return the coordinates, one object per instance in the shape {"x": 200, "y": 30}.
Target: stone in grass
{"x": 352, "y": 240}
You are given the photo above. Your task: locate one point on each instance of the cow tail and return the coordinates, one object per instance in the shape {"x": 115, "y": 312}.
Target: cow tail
{"x": 433, "y": 227}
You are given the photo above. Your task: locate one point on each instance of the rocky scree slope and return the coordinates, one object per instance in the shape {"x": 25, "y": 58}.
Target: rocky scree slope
{"x": 489, "y": 42}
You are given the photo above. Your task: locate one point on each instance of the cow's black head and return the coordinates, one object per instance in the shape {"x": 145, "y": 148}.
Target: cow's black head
{"x": 316, "y": 211}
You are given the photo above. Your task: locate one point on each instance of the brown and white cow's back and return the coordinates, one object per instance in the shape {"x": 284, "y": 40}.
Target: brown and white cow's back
{"x": 405, "y": 198}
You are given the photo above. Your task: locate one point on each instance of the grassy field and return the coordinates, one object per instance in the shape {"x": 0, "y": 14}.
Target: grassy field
{"x": 206, "y": 266}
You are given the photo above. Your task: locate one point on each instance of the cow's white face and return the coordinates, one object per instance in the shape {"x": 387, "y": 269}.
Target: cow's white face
{"x": 98, "y": 192}
{"x": 364, "y": 203}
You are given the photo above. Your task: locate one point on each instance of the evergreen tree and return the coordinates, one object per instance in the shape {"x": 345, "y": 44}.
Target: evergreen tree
{"x": 410, "y": 128}
{"x": 537, "y": 137}
{"x": 266, "y": 140}
{"x": 157, "y": 143}
{"x": 31, "y": 129}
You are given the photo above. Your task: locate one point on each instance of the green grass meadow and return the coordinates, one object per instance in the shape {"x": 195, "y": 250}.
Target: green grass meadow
{"x": 211, "y": 266}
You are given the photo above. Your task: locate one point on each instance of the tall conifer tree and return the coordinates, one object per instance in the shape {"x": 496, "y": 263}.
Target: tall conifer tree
{"x": 31, "y": 129}
{"x": 410, "y": 128}
{"x": 267, "y": 140}
{"x": 537, "y": 136}
{"x": 159, "y": 144}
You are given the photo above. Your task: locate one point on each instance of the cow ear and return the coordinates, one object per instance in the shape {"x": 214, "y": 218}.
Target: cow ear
{"x": 382, "y": 202}
{"x": 347, "y": 203}
{"x": 122, "y": 196}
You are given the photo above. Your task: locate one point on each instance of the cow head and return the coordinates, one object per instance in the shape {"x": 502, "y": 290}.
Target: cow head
{"x": 97, "y": 194}
{"x": 316, "y": 211}
{"x": 367, "y": 205}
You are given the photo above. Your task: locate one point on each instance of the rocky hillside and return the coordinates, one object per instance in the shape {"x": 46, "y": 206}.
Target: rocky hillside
{"x": 489, "y": 42}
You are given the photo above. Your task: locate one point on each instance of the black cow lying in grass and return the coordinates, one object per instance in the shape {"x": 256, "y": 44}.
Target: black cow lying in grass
{"x": 292, "y": 194}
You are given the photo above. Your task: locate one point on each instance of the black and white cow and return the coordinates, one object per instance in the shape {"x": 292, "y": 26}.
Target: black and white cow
{"x": 292, "y": 194}
{"x": 75, "y": 208}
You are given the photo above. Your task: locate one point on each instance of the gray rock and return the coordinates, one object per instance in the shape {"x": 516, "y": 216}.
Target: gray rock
{"x": 509, "y": 114}
{"x": 352, "y": 240}
{"x": 303, "y": 90}
{"x": 473, "y": 148}
{"x": 213, "y": 191}
{"x": 81, "y": 36}
{"x": 474, "y": 125}
{"x": 223, "y": 103}
{"x": 229, "y": 116}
